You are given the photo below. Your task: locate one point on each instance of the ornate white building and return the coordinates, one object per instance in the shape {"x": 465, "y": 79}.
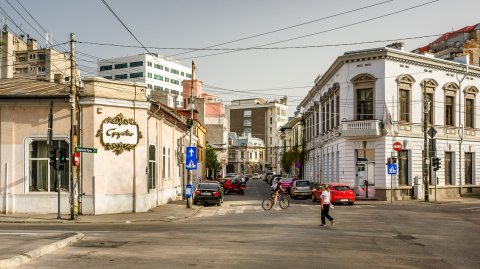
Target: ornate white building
{"x": 369, "y": 99}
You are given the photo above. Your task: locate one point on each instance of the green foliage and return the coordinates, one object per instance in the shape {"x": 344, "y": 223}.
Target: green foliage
{"x": 211, "y": 158}
{"x": 289, "y": 159}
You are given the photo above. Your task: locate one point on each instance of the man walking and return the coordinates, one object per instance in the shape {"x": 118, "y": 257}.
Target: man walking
{"x": 325, "y": 205}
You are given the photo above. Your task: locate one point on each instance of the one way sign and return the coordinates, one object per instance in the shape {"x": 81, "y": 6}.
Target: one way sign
{"x": 191, "y": 160}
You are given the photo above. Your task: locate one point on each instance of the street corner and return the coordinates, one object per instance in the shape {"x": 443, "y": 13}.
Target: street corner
{"x": 15, "y": 250}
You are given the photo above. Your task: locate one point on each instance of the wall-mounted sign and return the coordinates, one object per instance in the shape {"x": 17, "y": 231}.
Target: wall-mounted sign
{"x": 119, "y": 134}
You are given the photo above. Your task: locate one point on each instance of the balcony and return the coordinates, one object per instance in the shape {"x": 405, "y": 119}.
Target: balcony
{"x": 361, "y": 129}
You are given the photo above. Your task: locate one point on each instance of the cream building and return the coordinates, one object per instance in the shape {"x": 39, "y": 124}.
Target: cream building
{"x": 139, "y": 159}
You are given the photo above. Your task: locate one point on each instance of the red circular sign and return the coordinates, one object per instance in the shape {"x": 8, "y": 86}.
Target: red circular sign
{"x": 397, "y": 146}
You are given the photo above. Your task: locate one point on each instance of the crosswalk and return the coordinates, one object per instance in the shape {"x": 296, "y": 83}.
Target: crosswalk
{"x": 229, "y": 209}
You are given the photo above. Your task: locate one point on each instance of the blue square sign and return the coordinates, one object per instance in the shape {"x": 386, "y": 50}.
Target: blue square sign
{"x": 191, "y": 160}
{"x": 392, "y": 169}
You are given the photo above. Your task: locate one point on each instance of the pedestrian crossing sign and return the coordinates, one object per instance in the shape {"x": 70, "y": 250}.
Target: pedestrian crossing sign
{"x": 392, "y": 169}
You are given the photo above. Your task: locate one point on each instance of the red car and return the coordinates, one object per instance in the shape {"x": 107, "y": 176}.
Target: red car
{"x": 339, "y": 193}
{"x": 287, "y": 183}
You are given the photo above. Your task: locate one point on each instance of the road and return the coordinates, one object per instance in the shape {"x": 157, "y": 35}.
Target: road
{"x": 239, "y": 234}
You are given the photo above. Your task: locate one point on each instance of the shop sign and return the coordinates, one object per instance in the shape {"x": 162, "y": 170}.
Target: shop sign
{"x": 119, "y": 134}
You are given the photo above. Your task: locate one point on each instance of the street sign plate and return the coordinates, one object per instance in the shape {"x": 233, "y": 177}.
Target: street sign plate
{"x": 397, "y": 146}
{"x": 392, "y": 169}
{"x": 86, "y": 150}
{"x": 191, "y": 159}
{"x": 432, "y": 132}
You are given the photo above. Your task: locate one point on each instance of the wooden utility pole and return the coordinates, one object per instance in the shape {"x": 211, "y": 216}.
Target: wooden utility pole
{"x": 73, "y": 128}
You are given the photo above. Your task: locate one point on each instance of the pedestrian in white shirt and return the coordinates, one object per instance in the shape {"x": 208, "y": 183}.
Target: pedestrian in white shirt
{"x": 325, "y": 205}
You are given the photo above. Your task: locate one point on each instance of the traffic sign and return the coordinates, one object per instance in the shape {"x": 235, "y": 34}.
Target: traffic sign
{"x": 392, "y": 169}
{"x": 397, "y": 146}
{"x": 86, "y": 150}
{"x": 432, "y": 132}
{"x": 191, "y": 159}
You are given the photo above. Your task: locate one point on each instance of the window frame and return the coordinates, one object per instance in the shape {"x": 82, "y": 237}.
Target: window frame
{"x": 364, "y": 82}
{"x": 152, "y": 167}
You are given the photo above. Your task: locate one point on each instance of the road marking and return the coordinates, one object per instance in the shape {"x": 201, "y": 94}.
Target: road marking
{"x": 240, "y": 210}
{"x": 222, "y": 212}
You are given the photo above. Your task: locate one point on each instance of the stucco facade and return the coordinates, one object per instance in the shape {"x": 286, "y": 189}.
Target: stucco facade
{"x": 118, "y": 178}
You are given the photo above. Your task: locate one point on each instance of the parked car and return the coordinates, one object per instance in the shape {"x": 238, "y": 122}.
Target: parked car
{"x": 287, "y": 183}
{"x": 301, "y": 188}
{"x": 208, "y": 193}
{"x": 255, "y": 176}
{"x": 234, "y": 185}
{"x": 339, "y": 193}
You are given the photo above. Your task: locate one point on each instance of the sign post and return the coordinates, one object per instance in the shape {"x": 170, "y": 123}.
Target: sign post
{"x": 392, "y": 167}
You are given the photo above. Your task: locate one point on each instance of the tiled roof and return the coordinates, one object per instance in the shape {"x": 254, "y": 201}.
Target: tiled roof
{"x": 23, "y": 88}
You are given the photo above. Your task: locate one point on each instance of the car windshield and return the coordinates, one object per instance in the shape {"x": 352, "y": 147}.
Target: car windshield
{"x": 287, "y": 180}
{"x": 205, "y": 186}
{"x": 341, "y": 188}
{"x": 303, "y": 183}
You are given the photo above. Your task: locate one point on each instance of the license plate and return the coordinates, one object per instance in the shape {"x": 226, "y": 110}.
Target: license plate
{"x": 206, "y": 193}
{"x": 343, "y": 200}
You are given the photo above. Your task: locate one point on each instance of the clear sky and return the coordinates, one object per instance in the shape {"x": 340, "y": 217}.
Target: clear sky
{"x": 256, "y": 73}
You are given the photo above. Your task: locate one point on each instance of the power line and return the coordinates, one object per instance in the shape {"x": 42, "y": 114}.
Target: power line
{"x": 288, "y": 27}
{"x": 328, "y": 30}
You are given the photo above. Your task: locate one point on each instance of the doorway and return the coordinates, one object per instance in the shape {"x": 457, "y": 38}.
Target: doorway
{"x": 365, "y": 179}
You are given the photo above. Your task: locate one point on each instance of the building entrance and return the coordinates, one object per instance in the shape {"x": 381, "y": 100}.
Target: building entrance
{"x": 365, "y": 179}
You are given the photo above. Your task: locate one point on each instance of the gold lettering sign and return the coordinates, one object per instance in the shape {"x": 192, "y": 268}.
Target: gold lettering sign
{"x": 119, "y": 134}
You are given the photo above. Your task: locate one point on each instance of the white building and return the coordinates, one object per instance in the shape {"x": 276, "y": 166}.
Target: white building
{"x": 246, "y": 154}
{"x": 158, "y": 73}
{"x": 369, "y": 99}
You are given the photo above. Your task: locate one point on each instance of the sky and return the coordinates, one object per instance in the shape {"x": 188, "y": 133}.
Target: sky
{"x": 327, "y": 28}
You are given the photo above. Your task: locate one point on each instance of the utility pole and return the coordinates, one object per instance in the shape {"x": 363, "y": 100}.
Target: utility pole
{"x": 426, "y": 163}
{"x": 190, "y": 172}
{"x": 73, "y": 127}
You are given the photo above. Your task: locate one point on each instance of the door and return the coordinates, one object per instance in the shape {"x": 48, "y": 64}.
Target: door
{"x": 365, "y": 172}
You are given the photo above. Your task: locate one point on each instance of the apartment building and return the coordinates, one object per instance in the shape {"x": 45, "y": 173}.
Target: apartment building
{"x": 156, "y": 71}
{"x": 246, "y": 154}
{"x": 261, "y": 119}
{"x": 292, "y": 146}
{"x": 25, "y": 59}
{"x": 369, "y": 99}
{"x": 461, "y": 42}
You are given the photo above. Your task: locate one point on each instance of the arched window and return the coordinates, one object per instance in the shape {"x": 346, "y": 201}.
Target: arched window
{"x": 404, "y": 84}
{"x": 450, "y": 94}
{"x": 470, "y": 94}
{"x": 364, "y": 87}
{"x": 429, "y": 85}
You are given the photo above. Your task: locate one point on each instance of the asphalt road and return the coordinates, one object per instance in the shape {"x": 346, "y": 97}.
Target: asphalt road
{"x": 240, "y": 234}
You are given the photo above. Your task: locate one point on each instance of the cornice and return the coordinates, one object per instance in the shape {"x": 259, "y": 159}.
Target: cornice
{"x": 114, "y": 102}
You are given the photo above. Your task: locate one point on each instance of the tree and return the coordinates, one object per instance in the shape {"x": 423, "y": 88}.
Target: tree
{"x": 212, "y": 160}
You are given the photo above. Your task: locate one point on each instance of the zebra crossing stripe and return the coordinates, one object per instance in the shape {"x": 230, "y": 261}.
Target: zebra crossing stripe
{"x": 240, "y": 209}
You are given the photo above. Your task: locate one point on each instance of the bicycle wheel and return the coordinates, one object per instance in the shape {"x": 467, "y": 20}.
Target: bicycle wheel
{"x": 267, "y": 204}
{"x": 284, "y": 202}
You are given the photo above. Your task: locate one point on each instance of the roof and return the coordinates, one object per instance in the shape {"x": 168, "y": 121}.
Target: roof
{"x": 27, "y": 88}
{"x": 448, "y": 35}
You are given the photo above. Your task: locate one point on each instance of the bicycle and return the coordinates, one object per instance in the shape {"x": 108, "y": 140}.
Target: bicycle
{"x": 283, "y": 201}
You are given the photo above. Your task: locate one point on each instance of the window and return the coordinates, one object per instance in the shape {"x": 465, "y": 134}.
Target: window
{"x": 174, "y": 81}
{"x": 271, "y": 120}
{"x": 327, "y": 124}
{"x": 135, "y": 64}
{"x": 449, "y": 168}
{"x": 167, "y": 80}
{"x": 149, "y": 75}
{"x": 41, "y": 56}
{"x": 247, "y": 113}
{"x": 182, "y": 74}
{"x": 157, "y": 77}
{"x": 108, "y": 77}
{"x": 175, "y": 92}
{"x": 174, "y": 71}
{"x": 105, "y": 67}
{"x": 40, "y": 69}
{"x": 468, "y": 168}
{"x": 136, "y": 75}
{"x": 469, "y": 113}
{"x": 152, "y": 166}
{"x": 164, "y": 161}
{"x": 167, "y": 69}
{"x": 158, "y": 66}
{"x": 120, "y": 66}
{"x": 188, "y": 75}
{"x": 149, "y": 64}
{"x": 24, "y": 59}
{"x": 241, "y": 154}
{"x": 158, "y": 88}
{"x": 42, "y": 177}
{"x": 332, "y": 113}
{"x": 403, "y": 168}
{"x": 247, "y": 122}
{"x": 337, "y": 109}
{"x": 364, "y": 104}
{"x": 404, "y": 105}
{"x": 122, "y": 76}
{"x": 169, "y": 163}
{"x": 449, "y": 111}
{"x": 150, "y": 86}
{"x": 247, "y": 130}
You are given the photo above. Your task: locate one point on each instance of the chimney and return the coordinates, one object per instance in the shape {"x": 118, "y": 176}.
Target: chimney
{"x": 32, "y": 44}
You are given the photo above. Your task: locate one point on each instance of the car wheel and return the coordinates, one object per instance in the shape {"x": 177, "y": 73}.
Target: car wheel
{"x": 351, "y": 203}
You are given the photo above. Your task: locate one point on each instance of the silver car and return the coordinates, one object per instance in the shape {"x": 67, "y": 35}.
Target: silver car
{"x": 301, "y": 188}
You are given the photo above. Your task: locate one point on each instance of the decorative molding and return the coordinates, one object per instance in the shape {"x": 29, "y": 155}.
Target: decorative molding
{"x": 429, "y": 83}
{"x": 471, "y": 90}
{"x": 363, "y": 78}
{"x": 451, "y": 86}
{"x": 406, "y": 79}
{"x": 121, "y": 127}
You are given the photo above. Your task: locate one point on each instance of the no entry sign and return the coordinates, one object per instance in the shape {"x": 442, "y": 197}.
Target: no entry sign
{"x": 397, "y": 146}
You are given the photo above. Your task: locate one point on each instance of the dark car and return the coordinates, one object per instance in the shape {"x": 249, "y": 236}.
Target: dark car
{"x": 208, "y": 193}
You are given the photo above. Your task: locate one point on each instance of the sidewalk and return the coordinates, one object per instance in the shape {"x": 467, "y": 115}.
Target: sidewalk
{"x": 172, "y": 211}
{"x": 17, "y": 248}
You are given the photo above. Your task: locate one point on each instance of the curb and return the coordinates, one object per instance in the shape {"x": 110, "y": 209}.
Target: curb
{"x": 26, "y": 257}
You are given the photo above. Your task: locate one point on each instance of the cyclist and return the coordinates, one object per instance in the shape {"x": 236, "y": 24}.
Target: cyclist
{"x": 277, "y": 189}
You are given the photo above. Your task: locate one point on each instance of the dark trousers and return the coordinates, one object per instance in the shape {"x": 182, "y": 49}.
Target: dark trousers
{"x": 325, "y": 209}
